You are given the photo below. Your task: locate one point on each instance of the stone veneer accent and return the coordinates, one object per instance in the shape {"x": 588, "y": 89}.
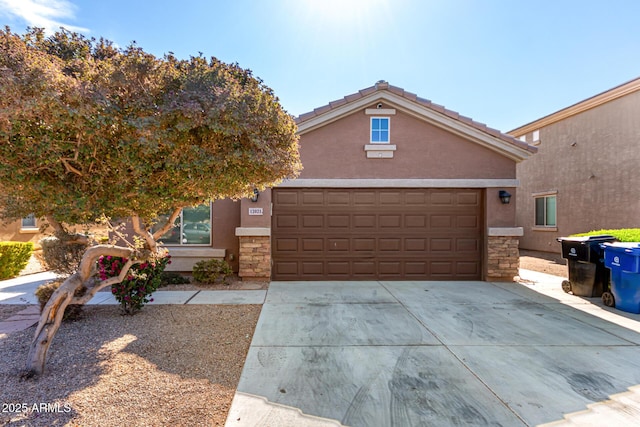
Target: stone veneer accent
{"x": 503, "y": 258}
{"x": 255, "y": 257}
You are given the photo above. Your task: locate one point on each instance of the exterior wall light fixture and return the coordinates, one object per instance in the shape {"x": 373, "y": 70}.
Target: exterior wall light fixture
{"x": 505, "y": 197}
{"x": 255, "y": 196}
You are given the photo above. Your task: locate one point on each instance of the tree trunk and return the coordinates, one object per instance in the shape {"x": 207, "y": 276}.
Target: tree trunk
{"x": 53, "y": 311}
{"x": 49, "y": 323}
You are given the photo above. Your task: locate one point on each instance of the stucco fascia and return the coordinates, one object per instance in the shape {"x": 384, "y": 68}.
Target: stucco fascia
{"x": 399, "y": 183}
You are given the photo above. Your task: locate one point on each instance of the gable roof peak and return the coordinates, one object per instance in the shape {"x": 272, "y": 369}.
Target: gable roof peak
{"x": 408, "y": 101}
{"x": 381, "y": 84}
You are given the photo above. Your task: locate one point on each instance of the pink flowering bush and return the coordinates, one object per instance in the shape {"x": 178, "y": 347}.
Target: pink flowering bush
{"x": 142, "y": 280}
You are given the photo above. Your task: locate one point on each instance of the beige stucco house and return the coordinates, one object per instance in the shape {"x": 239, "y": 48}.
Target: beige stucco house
{"x": 584, "y": 176}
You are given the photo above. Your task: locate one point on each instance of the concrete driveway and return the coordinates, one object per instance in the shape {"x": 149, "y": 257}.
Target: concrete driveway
{"x": 382, "y": 353}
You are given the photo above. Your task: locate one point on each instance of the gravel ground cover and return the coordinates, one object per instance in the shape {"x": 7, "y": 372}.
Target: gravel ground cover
{"x": 171, "y": 365}
{"x": 544, "y": 262}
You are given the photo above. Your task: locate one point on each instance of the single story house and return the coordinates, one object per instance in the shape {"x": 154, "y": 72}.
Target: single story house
{"x": 393, "y": 187}
{"x": 583, "y": 177}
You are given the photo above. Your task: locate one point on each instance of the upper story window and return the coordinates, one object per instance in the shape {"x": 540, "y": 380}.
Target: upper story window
{"x": 192, "y": 227}
{"x": 379, "y": 130}
{"x": 29, "y": 221}
{"x": 545, "y": 211}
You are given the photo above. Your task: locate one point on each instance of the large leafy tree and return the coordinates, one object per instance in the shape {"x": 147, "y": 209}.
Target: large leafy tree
{"x": 89, "y": 130}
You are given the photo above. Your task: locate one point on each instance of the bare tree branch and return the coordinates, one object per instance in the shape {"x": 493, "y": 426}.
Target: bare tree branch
{"x": 91, "y": 291}
{"x": 169, "y": 224}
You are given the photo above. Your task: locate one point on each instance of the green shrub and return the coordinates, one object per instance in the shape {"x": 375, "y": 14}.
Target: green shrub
{"x": 623, "y": 235}
{"x": 62, "y": 257}
{"x": 14, "y": 257}
{"x": 142, "y": 280}
{"x": 173, "y": 278}
{"x": 44, "y": 292}
{"x": 208, "y": 271}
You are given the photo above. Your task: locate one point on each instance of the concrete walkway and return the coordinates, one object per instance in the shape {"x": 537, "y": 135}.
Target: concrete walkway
{"x": 20, "y": 291}
{"x": 383, "y": 353}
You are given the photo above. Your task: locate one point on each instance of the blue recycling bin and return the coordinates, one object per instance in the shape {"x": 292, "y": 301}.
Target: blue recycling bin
{"x": 624, "y": 261}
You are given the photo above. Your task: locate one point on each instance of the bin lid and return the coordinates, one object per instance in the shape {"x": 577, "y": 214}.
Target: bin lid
{"x": 626, "y": 247}
{"x": 598, "y": 238}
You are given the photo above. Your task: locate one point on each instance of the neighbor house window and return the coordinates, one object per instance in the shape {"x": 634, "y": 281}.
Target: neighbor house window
{"x": 29, "y": 221}
{"x": 192, "y": 227}
{"x": 380, "y": 130}
{"x": 546, "y": 211}
{"x": 536, "y": 137}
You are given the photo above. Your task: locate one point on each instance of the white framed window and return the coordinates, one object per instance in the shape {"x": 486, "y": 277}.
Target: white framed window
{"x": 546, "y": 212}
{"x": 536, "y": 137}
{"x": 29, "y": 222}
{"x": 380, "y": 130}
{"x": 192, "y": 227}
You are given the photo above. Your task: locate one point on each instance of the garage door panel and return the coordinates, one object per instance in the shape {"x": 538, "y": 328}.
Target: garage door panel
{"x": 364, "y": 268}
{"x": 415, "y": 268}
{"x": 467, "y": 245}
{"x": 338, "y": 198}
{"x": 364, "y": 221}
{"x": 313, "y": 245}
{"x": 286, "y": 198}
{"x": 341, "y": 268}
{"x": 338, "y": 245}
{"x": 312, "y": 221}
{"x": 415, "y": 221}
{"x": 364, "y": 244}
{"x": 390, "y": 245}
{"x": 415, "y": 198}
{"x": 441, "y": 245}
{"x": 286, "y": 268}
{"x": 441, "y": 222}
{"x": 390, "y": 198}
{"x": 468, "y": 268}
{"x": 393, "y": 268}
{"x": 338, "y": 220}
{"x": 467, "y": 221}
{"x": 390, "y": 221}
{"x": 468, "y": 199}
{"x": 442, "y": 268}
{"x": 364, "y": 198}
{"x": 442, "y": 198}
{"x": 286, "y": 245}
{"x": 344, "y": 234}
{"x": 412, "y": 244}
{"x": 287, "y": 221}
{"x": 313, "y": 198}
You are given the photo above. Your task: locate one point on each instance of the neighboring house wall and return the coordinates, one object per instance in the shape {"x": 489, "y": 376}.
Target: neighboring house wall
{"x": 15, "y": 232}
{"x": 588, "y": 158}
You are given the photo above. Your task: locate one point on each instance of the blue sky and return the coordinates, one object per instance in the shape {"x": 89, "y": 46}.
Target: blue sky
{"x": 502, "y": 62}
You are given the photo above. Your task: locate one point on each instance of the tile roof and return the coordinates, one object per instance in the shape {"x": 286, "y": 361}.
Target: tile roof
{"x": 383, "y": 86}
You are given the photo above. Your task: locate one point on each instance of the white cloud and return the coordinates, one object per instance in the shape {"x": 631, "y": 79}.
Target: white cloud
{"x": 47, "y": 14}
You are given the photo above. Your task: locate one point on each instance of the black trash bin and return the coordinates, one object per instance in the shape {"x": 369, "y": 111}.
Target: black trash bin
{"x": 588, "y": 276}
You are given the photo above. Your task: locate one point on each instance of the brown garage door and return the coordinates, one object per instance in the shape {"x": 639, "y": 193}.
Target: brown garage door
{"x": 337, "y": 234}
